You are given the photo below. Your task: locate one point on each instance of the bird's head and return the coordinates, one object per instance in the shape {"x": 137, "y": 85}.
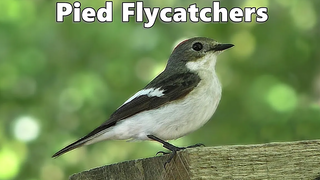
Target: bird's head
{"x": 200, "y": 52}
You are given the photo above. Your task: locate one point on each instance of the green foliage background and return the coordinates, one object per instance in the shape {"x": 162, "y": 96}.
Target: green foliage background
{"x": 58, "y": 81}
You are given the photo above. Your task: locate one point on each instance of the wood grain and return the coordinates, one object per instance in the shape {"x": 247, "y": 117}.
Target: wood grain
{"x": 286, "y": 160}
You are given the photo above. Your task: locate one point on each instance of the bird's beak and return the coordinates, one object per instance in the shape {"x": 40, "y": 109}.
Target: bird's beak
{"x": 221, "y": 47}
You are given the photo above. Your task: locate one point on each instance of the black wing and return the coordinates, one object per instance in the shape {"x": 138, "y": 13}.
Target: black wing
{"x": 174, "y": 87}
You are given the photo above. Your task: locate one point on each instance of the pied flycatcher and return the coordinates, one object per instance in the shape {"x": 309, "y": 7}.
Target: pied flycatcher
{"x": 177, "y": 102}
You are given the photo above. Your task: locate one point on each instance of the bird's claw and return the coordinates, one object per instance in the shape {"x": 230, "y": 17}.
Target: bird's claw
{"x": 196, "y": 145}
{"x": 173, "y": 153}
{"x": 162, "y": 152}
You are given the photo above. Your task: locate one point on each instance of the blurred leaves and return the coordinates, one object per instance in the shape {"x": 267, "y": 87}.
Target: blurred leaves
{"x": 58, "y": 81}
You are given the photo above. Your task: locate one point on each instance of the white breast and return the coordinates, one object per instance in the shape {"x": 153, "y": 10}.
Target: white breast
{"x": 197, "y": 107}
{"x": 190, "y": 113}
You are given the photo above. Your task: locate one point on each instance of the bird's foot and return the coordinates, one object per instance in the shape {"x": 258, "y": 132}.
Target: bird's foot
{"x": 192, "y": 146}
{"x": 171, "y": 147}
{"x": 196, "y": 145}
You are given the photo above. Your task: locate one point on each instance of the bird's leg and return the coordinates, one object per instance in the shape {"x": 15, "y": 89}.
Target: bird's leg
{"x": 171, "y": 147}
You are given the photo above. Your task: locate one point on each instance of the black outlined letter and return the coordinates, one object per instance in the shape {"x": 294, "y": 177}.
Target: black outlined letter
{"x": 262, "y": 14}
{"x": 216, "y": 12}
{"x": 180, "y": 15}
{"x": 88, "y": 14}
{"x": 248, "y": 11}
{"x": 139, "y": 11}
{"x": 104, "y": 14}
{"x": 126, "y": 12}
{"x": 151, "y": 16}
{"x": 203, "y": 14}
{"x": 76, "y": 11}
{"x": 163, "y": 14}
{"x": 193, "y": 10}
{"x": 62, "y": 9}
{"x": 236, "y": 14}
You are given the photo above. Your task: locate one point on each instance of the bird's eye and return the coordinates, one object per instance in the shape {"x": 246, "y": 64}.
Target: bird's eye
{"x": 197, "y": 46}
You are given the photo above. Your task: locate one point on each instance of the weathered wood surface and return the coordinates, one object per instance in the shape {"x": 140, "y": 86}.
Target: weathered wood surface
{"x": 287, "y": 160}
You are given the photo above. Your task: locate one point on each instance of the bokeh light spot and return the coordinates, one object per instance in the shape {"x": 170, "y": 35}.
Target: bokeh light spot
{"x": 308, "y": 19}
{"x": 245, "y": 42}
{"x": 9, "y": 164}
{"x": 282, "y": 98}
{"x": 86, "y": 87}
{"x": 70, "y": 100}
{"x": 16, "y": 11}
{"x": 26, "y": 129}
{"x": 315, "y": 106}
{"x": 9, "y": 10}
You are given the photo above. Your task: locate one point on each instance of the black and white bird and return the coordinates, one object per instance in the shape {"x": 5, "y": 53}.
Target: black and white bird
{"x": 177, "y": 102}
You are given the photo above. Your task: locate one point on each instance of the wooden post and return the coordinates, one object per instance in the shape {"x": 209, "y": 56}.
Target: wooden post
{"x": 286, "y": 160}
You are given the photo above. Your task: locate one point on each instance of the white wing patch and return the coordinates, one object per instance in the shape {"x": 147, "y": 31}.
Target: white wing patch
{"x": 151, "y": 92}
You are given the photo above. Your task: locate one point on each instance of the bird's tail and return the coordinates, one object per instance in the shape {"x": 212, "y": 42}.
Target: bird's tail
{"x": 86, "y": 140}
{"x": 72, "y": 146}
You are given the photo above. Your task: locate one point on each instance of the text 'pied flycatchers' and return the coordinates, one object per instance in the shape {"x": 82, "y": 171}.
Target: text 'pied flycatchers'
{"x": 177, "y": 102}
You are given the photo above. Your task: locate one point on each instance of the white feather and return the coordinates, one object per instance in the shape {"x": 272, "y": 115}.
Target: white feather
{"x": 151, "y": 92}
